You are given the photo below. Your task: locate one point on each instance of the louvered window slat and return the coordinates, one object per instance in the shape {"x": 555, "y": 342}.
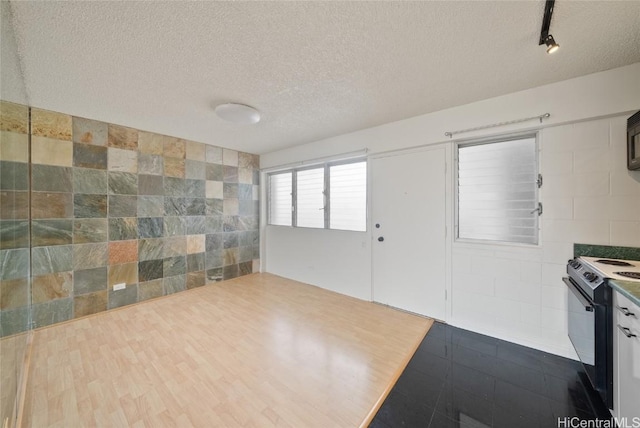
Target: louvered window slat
{"x": 497, "y": 191}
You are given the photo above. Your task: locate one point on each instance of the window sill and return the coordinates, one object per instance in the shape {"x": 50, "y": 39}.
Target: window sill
{"x": 475, "y": 243}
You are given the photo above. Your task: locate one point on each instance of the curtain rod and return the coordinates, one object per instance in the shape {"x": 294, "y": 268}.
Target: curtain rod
{"x": 450, "y": 134}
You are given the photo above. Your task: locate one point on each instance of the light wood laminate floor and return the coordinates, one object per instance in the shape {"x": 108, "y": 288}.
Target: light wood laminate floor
{"x": 256, "y": 351}
{"x": 12, "y": 351}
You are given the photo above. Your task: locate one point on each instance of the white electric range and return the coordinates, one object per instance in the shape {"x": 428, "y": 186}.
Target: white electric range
{"x": 590, "y": 315}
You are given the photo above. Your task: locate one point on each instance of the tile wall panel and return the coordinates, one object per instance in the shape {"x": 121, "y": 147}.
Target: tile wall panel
{"x": 15, "y": 274}
{"x": 45, "y": 123}
{"x": 111, "y": 204}
{"x": 91, "y": 303}
{"x": 49, "y": 151}
{"x": 88, "y": 131}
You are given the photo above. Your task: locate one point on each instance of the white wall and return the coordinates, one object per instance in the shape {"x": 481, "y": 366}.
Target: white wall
{"x": 510, "y": 292}
{"x": 12, "y": 87}
{"x": 595, "y": 95}
{"x": 589, "y": 197}
{"x": 333, "y": 259}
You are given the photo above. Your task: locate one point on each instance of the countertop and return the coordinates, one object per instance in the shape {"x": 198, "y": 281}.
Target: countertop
{"x": 629, "y": 289}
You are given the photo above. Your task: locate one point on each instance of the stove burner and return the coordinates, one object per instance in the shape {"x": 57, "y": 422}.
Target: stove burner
{"x": 613, "y": 262}
{"x": 634, "y": 275}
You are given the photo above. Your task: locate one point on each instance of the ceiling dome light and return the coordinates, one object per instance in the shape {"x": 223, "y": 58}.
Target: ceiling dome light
{"x": 238, "y": 113}
{"x": 552, "y": 46}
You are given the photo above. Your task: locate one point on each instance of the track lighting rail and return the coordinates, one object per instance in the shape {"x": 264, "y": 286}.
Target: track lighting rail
{"x": 545, "y": 37}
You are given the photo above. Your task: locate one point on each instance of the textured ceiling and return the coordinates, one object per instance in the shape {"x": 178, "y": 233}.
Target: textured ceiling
{"x": 314, "y": 69}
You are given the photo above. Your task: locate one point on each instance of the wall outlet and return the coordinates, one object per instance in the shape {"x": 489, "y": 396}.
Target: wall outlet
{"x": 120, "y": 286}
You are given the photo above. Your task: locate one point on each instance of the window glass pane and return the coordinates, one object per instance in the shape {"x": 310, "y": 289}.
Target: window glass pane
{"x": 310, "y": 198}
{"x": 497, "y": 191}
{"x": 348, "y": 196}
{"x": 280, "y": 199}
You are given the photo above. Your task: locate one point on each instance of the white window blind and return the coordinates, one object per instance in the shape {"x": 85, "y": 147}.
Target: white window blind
{"x": 497, "y": 191}
{"x": 348, "y": 196}
{"x": 332, "y": 196}
{"x": 280, "y": 197}
{"x": 310, "y": 198}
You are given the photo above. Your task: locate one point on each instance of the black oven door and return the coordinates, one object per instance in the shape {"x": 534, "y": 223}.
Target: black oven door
{"x": 590, "y": 327}
{"x": 582, "y": 327}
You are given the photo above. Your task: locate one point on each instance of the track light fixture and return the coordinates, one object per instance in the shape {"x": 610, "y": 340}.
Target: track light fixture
{"x": 552, "y": 46}
{"x": 545, "y": 37}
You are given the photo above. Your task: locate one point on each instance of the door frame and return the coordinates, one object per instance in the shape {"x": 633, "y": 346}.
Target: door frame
{"x": 449, "y": 201}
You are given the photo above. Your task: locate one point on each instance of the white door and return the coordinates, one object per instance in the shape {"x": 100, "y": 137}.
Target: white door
{"x": 408, "y": 218}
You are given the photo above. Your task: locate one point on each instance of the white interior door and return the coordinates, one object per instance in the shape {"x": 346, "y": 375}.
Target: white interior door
{"x": 408, "y": 217}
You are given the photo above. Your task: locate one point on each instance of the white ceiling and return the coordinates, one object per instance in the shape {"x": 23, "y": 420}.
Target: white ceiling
{"x": 314, "y": 69}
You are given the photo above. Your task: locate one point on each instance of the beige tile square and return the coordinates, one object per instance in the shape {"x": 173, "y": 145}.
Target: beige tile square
{"x": 88, "y": 304}
{"x": 50, "y": 124}
{"x": 52, "y": 286}
{"x": 14, "y": 205}
{"x": 245, "y": 176}
{"x": 14, "y": 293}
{"x": 175, "y": 147}
{"x": 150, "y": 143}
{"x": 214, "y": 189}
{"x": 174, "y": 167}
{"x": 196, "y": 151}
{"x": 247, "y": 160}
{"x": 196, "y": 279}
{"x": 122, "y": 137}
{"x": 229, "y": 157}
{"x": 122, "y": 160}
{"x": 48, "y": 151}
{"x": 14, "y": 146}
{"x": 127, "y": 273}
{"x": 51, "y": 205}
{"x": 195, "y": 244}
{"x": 14, "y": 117}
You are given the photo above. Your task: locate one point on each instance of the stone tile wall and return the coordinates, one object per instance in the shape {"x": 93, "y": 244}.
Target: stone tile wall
{"x": 112, "y": 205}
{"x": 15, "y": 293}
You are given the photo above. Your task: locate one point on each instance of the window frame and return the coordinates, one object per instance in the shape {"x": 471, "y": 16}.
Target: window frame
{"x": 326, "y": 166}
{"x": 268, "y": 193}
{"x": 456, "y": 187}
{"x": 294, "y": 197}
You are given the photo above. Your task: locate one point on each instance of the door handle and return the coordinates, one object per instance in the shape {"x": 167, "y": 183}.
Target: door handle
{"x": 626, "y": 331}
{"x": 625, "y": 311}
{"x": 380, "y": 238}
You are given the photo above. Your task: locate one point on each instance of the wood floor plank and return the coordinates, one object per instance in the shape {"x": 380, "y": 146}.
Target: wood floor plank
{"x": 256, "y": 351}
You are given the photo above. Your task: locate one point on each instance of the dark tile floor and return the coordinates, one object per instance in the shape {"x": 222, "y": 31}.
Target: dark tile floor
{"x": 458, "y": 378}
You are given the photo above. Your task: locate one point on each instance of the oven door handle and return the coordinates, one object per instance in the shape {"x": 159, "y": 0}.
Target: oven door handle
{"x": 583, "y": 300}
